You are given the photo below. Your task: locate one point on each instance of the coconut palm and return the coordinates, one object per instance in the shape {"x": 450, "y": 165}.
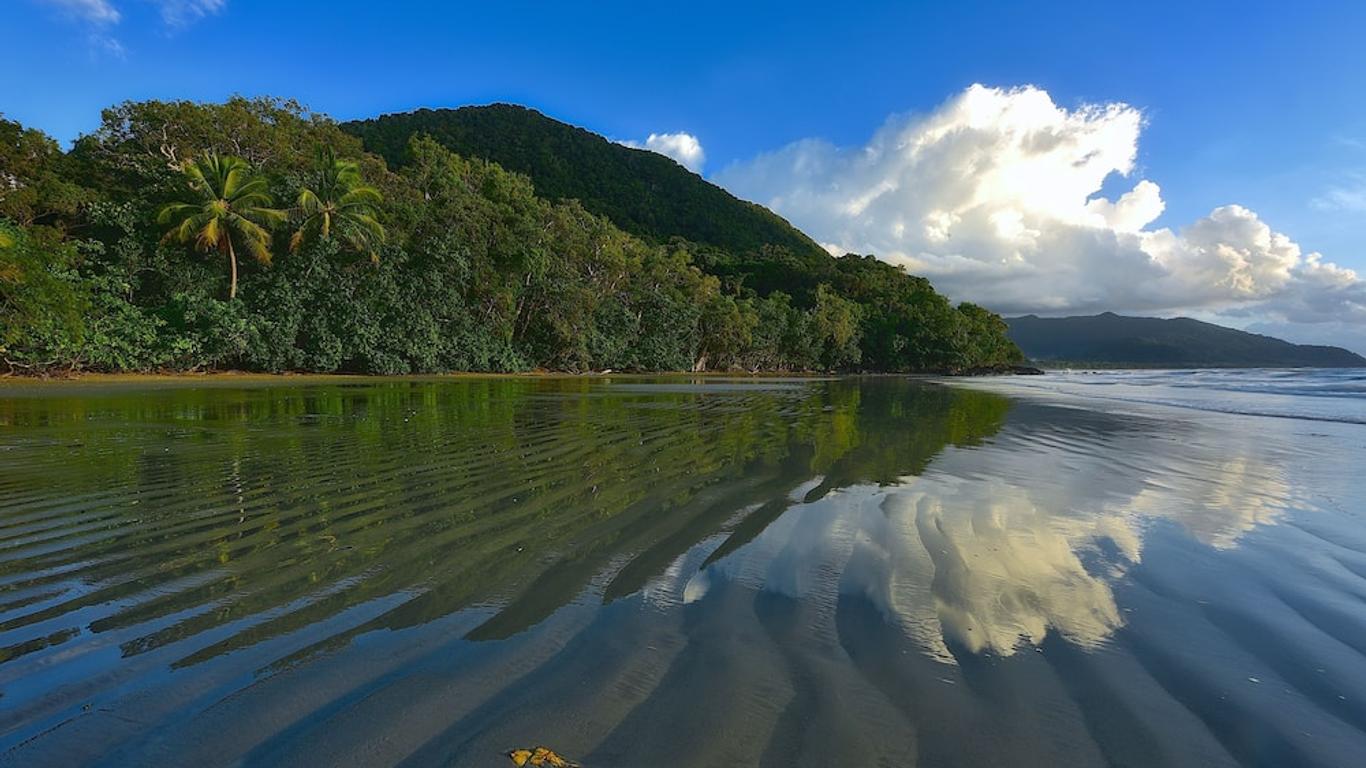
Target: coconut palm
{"x": 340, "y": 205}
{"x": 227, "y": 202}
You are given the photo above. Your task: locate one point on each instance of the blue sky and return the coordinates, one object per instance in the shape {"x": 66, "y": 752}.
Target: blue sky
{"x": 1254, "y": 104}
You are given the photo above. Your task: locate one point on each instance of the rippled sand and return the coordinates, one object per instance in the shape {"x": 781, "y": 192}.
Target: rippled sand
{"x": 674, "y": 572}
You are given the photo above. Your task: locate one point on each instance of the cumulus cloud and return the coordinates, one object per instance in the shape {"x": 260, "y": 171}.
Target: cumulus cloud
{"x": 997, "y": 197}
{"x": 682, "y": 147}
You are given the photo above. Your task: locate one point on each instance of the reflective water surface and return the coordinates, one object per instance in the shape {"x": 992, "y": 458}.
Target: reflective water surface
{"x": 673, "y": 572}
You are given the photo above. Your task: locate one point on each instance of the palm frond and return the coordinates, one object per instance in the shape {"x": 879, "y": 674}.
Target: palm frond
{"x": 338, "y": 203}
{"x": 233, "y": 174}
{"x": 308, "y": 202}
{"x": 254, "y": 191}
{"x": 246, "y": 227}
{"x": 370, "y": 226}
{"x": 186, "y": 232}
{"x": 361, "y": 195}
{"x": 259, "y": 250}
{"x": 211, "y": 235}
{"x": 306, "y": 233}
{"x": 194, "y": 175}
{"x": 253, "y": 235}
{"x": 266, "y": 217}
{"x": 347, "y": 173}
{"x": 174, "y": 213}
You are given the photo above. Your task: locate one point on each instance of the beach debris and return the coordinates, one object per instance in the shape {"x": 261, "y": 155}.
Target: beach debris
{"x": 539, "y": 756}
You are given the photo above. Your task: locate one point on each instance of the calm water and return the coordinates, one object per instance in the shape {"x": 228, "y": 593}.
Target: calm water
{"x": 1124, "y": 569}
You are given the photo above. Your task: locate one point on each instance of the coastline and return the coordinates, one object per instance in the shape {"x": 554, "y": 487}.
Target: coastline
{"x": 251, "y": 377}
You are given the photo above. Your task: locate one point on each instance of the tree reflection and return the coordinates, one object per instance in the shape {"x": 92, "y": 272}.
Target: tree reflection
{"x": 208, "y": 519}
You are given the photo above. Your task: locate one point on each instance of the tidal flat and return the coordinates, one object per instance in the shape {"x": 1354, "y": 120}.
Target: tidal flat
{"x": 682, "y": 571}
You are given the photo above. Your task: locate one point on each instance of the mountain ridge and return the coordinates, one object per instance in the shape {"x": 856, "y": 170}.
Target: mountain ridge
{"x": 1114, "y": 340}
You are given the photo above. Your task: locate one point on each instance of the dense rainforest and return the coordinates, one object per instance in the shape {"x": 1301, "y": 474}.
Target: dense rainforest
{"x": 256, "y": 235}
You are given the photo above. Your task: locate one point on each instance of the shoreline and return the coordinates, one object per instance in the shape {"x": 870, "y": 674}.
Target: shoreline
{"x": 250, "y": 377}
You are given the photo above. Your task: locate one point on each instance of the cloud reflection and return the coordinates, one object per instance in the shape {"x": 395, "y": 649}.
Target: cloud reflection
{"x": 994, "y": 547}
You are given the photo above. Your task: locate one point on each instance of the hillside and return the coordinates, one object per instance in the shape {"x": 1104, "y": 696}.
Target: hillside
{"x": 644, "y": 193}
{"x": 1148, "y": 342}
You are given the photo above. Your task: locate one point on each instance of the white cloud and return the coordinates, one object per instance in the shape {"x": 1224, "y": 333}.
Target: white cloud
{"x": 178, "y": 13}
{"x": 682, "y": 147}
{"x": 1350, "y": 196}
{"x": 997, "y": 197}
{"x": 93, "y": 11}
{"x": 102, "y": 13}
{"x": 104, "y": 45}
{"x": 100, "y": 16}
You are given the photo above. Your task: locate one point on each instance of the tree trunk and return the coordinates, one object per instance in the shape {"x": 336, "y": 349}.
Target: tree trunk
{"x": 232, "y": 259}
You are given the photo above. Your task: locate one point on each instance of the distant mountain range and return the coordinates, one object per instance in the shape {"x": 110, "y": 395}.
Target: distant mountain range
{"x": 1111, "y": 340}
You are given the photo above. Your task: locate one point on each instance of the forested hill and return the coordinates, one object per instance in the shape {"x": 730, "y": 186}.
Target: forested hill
{"x": 1118, "y": 341}
{"x": 643, "y": 192}
{"x": 256, "y": 235}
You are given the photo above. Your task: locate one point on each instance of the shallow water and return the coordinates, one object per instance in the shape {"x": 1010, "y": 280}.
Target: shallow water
{"x": 1315, "y": 394}
{"x": 677, "y": 572}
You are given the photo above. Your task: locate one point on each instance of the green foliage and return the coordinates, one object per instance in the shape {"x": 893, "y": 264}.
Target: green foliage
{"x": 141, "y": 146}
{"x": 227, "y": 202}
{"x": 41, "y": 299}
{"x": 34, "y": 183}
{"x": 339, "y": 204}
{"x": 984, "y": 337}
{"x": 836, "y": 330}
{"x": 907, "y": 326}
{"x": 470, "y": 268}
{"x": 644, "y": 193}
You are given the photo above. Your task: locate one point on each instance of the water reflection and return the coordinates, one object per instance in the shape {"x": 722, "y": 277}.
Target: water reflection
{"x": 733, "y": 571}
{"x": 987, "y": 552}
{"x": 213, "y": 519}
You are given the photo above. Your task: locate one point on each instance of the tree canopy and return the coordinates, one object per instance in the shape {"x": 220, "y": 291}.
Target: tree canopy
{"x": 468, "y": 266}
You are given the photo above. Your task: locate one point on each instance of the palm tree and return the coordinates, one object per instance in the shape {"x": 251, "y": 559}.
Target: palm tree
{"x": 227, "y": 201}
{"x": 339, "y": 204}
